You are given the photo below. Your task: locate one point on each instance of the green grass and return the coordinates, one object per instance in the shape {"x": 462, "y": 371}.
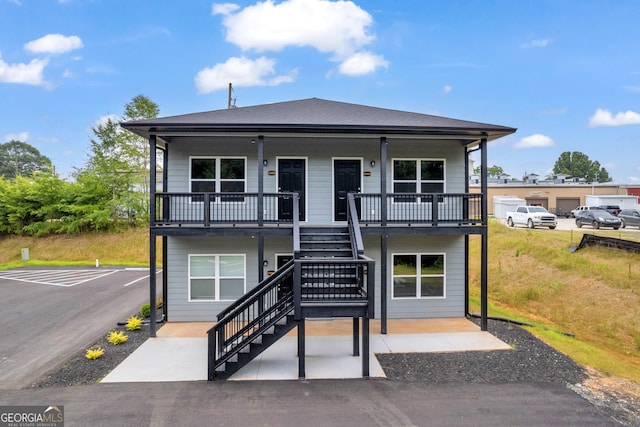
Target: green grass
{"x": 593, "y": 294}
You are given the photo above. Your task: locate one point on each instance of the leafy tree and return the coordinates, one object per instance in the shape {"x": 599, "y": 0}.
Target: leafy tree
{"x": 118, "y": 165}
{"x": 578, "y": 165}
{"x": 18, "y": 158}
{"x": 493, "y": 171}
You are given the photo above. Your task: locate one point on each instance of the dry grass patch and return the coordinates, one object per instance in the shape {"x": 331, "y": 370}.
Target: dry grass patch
{"x": 130, "y": 247}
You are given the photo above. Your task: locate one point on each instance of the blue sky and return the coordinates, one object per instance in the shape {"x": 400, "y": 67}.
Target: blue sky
{"x": 565, "y": 73}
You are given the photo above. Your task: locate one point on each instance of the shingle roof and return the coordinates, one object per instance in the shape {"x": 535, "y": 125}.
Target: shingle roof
{"x": 315, "y": 115}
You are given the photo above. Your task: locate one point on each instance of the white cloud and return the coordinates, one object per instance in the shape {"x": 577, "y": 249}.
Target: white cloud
{"x": 447, "y": 89}
{"x": 604, "y": 118}
{"x": 339, "y": 28}
{"x": 241, "y": 72}
{"x": 54, "y": 43}
{"x": 536, "y": 43}
{"x": 535, "y": 141}
{"x": 68, "y": 74}
{"x": 22, "y": 137}
{"x": 30, "y": 73}
{"x": 224, "y": 8}
{"x": 362, "y": 63}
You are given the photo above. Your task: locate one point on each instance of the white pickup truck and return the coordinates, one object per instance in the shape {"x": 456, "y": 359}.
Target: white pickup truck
{"x": 532, "y": 216}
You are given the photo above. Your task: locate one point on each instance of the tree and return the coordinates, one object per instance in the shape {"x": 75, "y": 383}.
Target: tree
{"x": 118, "y": 164}
{"x": 18, "y": 158}
{"x": 493, "y": 171}
{"x": 578, "y": 165}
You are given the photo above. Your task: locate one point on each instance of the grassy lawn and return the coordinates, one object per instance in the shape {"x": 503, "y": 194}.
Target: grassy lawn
{"x": 586, "y": 303}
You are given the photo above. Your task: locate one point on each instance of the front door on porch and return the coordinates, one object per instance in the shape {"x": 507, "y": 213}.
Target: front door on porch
{"x": 291, "y": 179}
{"x": 346, "y": 179}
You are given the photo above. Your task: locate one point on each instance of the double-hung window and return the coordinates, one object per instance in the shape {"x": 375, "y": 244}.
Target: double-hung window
{"x": 218, "y": 175}
{"x": 216, "y": 277}
{"x": 418, "y": 176}
{"x": 418, "y": 276}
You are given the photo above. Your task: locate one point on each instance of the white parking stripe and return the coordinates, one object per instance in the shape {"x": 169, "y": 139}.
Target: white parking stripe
{"x": 65, "y": 278}
{"x": 142, "y": 278}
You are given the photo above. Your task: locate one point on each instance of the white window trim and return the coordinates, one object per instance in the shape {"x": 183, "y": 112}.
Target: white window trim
{"x": 217, "y": 179}
{"x": 216, "y": 276}
{"x": 418, "y": 181}
{"x": 418, "y": 276}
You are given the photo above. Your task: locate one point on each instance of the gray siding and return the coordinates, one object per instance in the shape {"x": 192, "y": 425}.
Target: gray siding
{"x": 180, "y": 309}
{"x": 319, "y": 154}
{"x": 178, "y": 249}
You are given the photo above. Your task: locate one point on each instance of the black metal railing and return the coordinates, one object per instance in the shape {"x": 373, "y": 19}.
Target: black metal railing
{"x": 421, "y": 208}
{"x": 223, "y": 208}
{"x": 249, "y": 317}
{"x": 209, "y": 209}
{"x": 353, "y": 222}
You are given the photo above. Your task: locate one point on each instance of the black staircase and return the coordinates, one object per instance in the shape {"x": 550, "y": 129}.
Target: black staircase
{"x": 328, "y": 277}
{"x": 325, "y": 242}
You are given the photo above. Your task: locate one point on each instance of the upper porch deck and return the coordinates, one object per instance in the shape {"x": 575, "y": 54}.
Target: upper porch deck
{"x": 275, "y": 210}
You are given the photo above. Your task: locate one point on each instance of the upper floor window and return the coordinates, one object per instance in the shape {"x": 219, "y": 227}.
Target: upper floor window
{"x": 418, "y": 176}
{"x": 218, "y": 175}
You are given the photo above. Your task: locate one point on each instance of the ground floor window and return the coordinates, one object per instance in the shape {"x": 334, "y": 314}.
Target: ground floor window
{"x": 216, "y": 277}
{"x": 418, "y": 276}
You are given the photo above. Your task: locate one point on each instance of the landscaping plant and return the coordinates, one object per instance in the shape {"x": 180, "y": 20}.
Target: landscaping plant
{"x": 133, "y": 323}
{"x": 117, "y": 337}
{"x": 94, "y": 353}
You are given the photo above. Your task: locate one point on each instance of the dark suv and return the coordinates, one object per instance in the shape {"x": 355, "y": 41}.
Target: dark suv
{"x": 612, "y": 209}
{"x": 630, "y": 217}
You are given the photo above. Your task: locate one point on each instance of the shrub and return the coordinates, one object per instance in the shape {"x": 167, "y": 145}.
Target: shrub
{"x": 117, "y": 337}
{"x": 133, "y": 323}
{"x": 94, "y": 353}
{"x": 145, "y": 310}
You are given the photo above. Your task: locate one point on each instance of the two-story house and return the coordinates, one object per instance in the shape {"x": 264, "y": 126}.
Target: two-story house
{"x": 275, "y": 213}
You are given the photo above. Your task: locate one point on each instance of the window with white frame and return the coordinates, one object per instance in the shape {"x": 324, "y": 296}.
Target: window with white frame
{"x": 218, "y": 175}
{"x": 418, "y": 176}
{"x": 418, "y": 276}
{"x": 216, "y": 277}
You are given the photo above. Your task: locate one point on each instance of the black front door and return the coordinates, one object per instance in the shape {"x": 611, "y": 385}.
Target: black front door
{"x": 346, "y": 179}
{"x": 291, "y": 180}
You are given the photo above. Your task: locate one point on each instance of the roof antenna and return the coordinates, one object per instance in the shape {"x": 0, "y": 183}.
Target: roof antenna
{"x": 231, "y": 102}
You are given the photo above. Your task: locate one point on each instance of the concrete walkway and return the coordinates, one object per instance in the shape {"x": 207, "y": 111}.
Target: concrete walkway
{"x": 179, "y": 352}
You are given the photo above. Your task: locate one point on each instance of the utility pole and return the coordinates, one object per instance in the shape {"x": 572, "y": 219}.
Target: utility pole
{"x": 231, "y": 102}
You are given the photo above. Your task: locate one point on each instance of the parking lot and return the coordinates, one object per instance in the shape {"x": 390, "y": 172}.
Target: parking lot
{"x": 570, "y": 224}
{"x": 49, "y": 314}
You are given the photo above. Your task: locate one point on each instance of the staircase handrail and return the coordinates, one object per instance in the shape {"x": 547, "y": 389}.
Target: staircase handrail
{"x": 353, "y": 222}
{"x": 221, "y": 347}
{"x": 249, "y": 297}
{"x": 296, "y": 225}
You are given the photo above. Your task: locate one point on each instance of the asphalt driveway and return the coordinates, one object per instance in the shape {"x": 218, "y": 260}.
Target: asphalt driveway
{"x": 48, "y": 313}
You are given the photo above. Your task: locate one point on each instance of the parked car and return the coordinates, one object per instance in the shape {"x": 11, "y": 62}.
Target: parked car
{"x": 612, "y": 209}
{"x": 576, "y": 211}
{"x": 532, "y": 216}
{"x": 630, "y": 217}
{"x": 597, "y": 218}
